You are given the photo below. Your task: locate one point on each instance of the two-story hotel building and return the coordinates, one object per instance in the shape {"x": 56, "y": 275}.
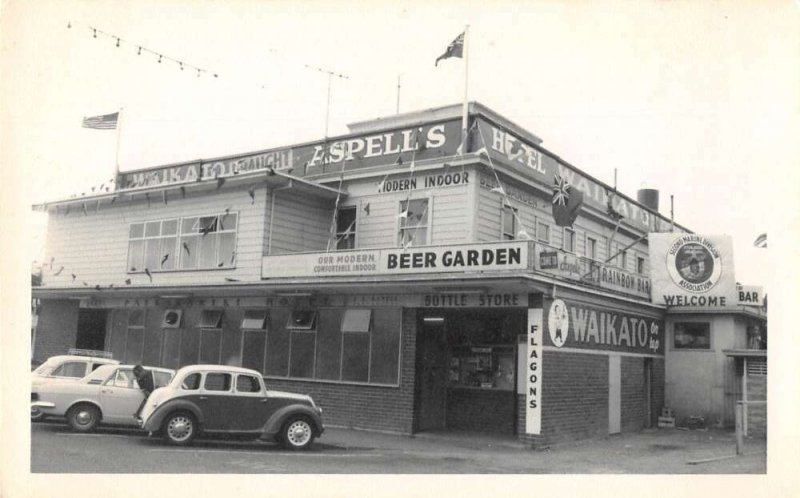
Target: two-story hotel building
{"x": 389, "y": 273}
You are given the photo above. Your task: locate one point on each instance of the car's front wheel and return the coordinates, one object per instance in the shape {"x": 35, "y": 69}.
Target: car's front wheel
{"x": 37, "y": 415}
{"x": 297, "y": 433}
{"x": 83, "y": 418}
{"x": 180, "y": 428}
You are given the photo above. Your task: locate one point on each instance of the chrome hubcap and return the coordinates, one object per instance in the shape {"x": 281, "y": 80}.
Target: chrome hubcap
{"x": 83, "y": 417}
{"x": 180, "y": 428}
{"x": 299, "y": 433}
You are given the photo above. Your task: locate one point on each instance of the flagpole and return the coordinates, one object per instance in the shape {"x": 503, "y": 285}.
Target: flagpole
{"x": 465, "y": 109}
{"x": 116, "y": 157}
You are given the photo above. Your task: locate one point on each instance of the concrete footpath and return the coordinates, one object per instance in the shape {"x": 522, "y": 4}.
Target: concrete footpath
{"x": 653, "y": 451}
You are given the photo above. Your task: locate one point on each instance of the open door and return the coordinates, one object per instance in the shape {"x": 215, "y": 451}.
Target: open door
{"x": 431, "y": 374}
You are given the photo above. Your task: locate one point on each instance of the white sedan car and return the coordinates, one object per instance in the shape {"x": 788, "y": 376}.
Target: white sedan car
{"x": 108, "y": 395}
{"x": 64, "y": 368}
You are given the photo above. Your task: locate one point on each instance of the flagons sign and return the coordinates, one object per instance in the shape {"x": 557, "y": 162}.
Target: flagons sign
{"x": 433, "y": 259}
{"x": 533, "y": 373}
{"x": 575, "y": 325}
{"x": 692, "y": 270}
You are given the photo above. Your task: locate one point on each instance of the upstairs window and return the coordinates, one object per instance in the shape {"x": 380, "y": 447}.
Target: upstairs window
{"x": 509, "y": 223}
{"x": 640, "y": 265}
{"x": 591, "y": 248}
{"x": 569, "y": 239}
{"x": 543, "y": 232}
{"x": 692, "y": 335}
{"x": 414, "y": 222}
{"x": 346, "y": 228}
{"x": 201, "y": 242}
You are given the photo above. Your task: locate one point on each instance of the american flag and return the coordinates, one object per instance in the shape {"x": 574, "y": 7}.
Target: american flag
{"x": 104, "y": 122}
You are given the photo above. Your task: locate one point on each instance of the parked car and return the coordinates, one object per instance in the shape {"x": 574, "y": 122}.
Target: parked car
{"x": 217, "y": 399}
{"x": 64, "y": 368}
{"x": 108, "y": 395}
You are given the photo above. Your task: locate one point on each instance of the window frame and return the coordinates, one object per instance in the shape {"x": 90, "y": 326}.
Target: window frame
{"x": 706, "y": 325}
{"x": 429, "y": 221}
{"x": 508, "y": 211}
{"x": 640, "y": 262}
{"x": 567, "y": 231}
{"x": 353, "y": 232}
{"x": 546, "y": 226}
{"x": 344, "y": 333}
{"x": 217, "y": 391}
{"x": 178, "y": 251}
{"x": 260, "y": 382}
{"x": 591, "y": 242}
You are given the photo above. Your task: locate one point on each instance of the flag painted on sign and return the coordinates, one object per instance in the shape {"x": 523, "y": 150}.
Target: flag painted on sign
{"x": 455, "y": 49}
{"x": 104, "y": 122}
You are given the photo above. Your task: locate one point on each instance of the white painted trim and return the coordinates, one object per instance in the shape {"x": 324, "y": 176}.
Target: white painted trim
{"x": 601, "y": 352}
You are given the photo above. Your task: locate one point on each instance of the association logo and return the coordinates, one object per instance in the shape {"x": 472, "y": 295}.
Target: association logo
{"x": 694, "y": 263}
{"x": 558, "y": 322}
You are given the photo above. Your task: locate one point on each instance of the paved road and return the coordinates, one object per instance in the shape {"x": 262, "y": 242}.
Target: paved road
{"x": 54, "y": 448}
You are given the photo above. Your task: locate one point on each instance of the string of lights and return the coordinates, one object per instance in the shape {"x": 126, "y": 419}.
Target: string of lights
{"x": 141, "y": 49}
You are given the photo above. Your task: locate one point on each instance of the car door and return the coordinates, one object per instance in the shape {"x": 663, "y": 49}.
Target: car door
{"x": 214, "y": 399}
{"x": 249, "y": 402}
{"x": 120, "y": 398}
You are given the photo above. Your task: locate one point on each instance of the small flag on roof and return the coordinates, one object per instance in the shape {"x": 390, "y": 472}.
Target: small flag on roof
{"x": 104, "y": 122}
{"x": 455, "y": 49}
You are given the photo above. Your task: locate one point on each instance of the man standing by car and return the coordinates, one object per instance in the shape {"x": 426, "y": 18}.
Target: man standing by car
{"x": 146, "y": 383}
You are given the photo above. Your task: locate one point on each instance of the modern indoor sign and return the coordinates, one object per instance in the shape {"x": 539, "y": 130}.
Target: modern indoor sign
{"x": 430, "y": 259}
{"x": 690, "y": 270}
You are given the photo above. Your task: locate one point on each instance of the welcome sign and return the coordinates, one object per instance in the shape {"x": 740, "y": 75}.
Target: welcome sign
{"x": 690, "y": 270}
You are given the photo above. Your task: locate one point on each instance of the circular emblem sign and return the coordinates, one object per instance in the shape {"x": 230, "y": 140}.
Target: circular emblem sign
{"x": 694, "y": 264}
{"x": 558, "y": 322}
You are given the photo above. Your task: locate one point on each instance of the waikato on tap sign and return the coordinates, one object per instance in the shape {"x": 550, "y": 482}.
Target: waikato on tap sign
{"x": 692, "y": 270}
{"x": 575, "y": 325}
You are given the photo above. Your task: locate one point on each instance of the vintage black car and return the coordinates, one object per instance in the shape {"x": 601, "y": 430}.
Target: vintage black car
{"x": 215, "y": 399}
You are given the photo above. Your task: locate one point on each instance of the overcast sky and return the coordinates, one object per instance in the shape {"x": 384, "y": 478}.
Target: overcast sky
{"x": 696, "y": 99}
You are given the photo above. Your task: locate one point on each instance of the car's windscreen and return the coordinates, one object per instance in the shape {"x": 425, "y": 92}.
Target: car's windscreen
{"x": 161, "y": 378}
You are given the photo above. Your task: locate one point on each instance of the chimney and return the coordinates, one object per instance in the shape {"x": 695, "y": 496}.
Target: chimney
{"x": 648, "y": 197}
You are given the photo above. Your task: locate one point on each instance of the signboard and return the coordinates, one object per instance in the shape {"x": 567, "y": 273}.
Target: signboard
{"x": 543, "y": 168}
{"x": 487, "y": 300}
{"x": 692, "y": 270}
{"x": 405, "y": 183}
{"x": 399, "y": 146}
{"x": 576, "y": 325}
{"x": 513, "y": 193}
{"x": 750, "y": 295}
{"x": 397, "y": 261}
{"x": 567, "y": 265}
{"x": 533, "y": 372}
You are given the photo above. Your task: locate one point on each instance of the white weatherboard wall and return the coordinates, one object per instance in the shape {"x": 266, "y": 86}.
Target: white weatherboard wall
{"x": 300, "y": 223}
{"x": 94, "y": 246}
{"x": 448, "y": 214}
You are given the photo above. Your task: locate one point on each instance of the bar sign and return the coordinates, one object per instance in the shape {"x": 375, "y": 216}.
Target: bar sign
{"x": 533, "y": 372}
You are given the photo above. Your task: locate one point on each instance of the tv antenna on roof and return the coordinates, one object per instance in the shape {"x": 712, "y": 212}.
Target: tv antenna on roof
{"x": 330, "y": 74}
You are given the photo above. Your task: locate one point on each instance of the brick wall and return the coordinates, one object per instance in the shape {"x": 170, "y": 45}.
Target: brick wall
{"x": 486, "y": 410}
{"x": 57, "y": 328}
{"x": 388, "y": 409}
{"x": 574, "y": 398}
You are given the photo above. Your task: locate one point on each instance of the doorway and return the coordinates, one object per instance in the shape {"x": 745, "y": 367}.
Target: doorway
{"x": 91, "y": 329}
{"x": 614, "y": 394}
{"x": 431, "y": 384}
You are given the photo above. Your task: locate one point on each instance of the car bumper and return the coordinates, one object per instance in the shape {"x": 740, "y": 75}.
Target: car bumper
{"x": 42, "y": 404}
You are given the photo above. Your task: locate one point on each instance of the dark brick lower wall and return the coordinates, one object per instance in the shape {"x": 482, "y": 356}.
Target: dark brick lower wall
{"x": 57, "y": 329}
{"x": 381, "y": 408}
{"x": 481, "y": 410}
{"x": 575, "y": 397}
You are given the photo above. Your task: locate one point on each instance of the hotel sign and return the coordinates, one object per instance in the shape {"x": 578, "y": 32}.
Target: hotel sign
{"x": 569, "y": 266}
{"x": 542, "y": 167}
{"x": 398, "y": 261}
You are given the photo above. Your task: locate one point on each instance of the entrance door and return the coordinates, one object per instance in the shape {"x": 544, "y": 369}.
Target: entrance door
{"x": 431, "y": 375}
{"x": 91, "y": 329}
{"x": 648, "y": 390}
{"x": 614, "y": 394}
